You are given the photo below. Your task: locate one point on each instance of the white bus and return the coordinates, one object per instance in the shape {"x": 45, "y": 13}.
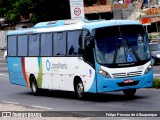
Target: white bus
{"x": 92, "y": 56}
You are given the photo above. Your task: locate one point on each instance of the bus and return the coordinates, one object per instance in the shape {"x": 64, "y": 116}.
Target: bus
{"x": 96, "y": 56}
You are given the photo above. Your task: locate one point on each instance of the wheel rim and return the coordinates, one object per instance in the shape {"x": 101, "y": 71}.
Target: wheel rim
{"x": 33, "y": 87}
{"x": 80, "y": 90}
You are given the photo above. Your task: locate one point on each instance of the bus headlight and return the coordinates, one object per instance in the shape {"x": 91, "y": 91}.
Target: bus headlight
{"x": 148, "y": 69}
{"x": 104, "y": 73}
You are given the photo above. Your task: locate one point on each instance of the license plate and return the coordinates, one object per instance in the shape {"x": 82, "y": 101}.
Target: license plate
{"x": 128, "y": 81}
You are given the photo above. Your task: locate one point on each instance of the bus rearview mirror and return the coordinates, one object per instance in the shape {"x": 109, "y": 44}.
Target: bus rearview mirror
{"x": 88, "y": 40}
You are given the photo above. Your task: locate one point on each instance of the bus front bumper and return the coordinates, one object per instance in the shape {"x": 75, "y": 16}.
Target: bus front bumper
{"x": 116, "y": 84}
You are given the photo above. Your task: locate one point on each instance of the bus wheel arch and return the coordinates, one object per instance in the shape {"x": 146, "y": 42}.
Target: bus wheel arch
{"x": 78, "y": 87}
{"x": 33, "y": 84}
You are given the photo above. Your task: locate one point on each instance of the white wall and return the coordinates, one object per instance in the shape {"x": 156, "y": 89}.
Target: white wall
{"x": 3, "y": 35}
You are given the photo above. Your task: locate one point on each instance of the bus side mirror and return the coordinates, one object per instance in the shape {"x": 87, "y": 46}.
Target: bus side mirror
{"x": 88, "y": 40}
{"x": 87, "y": 43}
{"x": 88, "y": 50}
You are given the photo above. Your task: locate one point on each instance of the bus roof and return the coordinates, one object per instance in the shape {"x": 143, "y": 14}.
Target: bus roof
{"x": 78, "y": 25}
{"x": 105, "y": 23}
{"x": 50, "y": 26}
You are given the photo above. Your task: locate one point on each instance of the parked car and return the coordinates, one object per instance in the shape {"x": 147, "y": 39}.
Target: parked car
{"x": 5, "y": 55}
{"x": 155, "y": 52}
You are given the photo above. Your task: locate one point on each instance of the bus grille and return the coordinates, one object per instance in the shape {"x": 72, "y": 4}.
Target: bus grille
{"x": 129, "y": 74}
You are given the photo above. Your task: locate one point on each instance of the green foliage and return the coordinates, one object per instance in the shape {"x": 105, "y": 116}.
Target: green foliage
{"x": 153, "y": 35}
{"x": 13, "y": 10}
{"x": 156, "y": 83}
{"x": 149, "y": 36}
{"x": 11, "y": 17}
{"x": 41, "y": 10}
{"x": 35, "y": 18}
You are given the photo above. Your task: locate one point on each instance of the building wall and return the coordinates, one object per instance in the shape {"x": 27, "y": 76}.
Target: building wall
{"x": 3, "y": 35}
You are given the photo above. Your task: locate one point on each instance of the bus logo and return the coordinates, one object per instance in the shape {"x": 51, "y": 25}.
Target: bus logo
{"x": 48, "y": 65}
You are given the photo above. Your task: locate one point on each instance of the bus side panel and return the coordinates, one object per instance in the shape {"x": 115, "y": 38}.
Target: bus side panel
{"x": 15, "y": 71}
{"x": 59, "y": 73}
{"x": 46, "y": 81}
{"x": 90, "y": 84}
{"x": 62, "y": 71}
{"x": 50, "y": 75}
{"x": 33, "y": 65}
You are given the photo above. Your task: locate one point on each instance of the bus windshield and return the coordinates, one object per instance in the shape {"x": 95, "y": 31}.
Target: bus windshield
{"x": 125, "y": 44}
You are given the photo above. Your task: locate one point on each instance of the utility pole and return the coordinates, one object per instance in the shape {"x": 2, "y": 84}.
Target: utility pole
{"x": 121, "y": 12}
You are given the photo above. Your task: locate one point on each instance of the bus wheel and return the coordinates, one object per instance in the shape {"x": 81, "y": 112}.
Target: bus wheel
{"x": 129, "y": 92}
{"x": 79, "y": 89}
{"x": 34, "y": 87}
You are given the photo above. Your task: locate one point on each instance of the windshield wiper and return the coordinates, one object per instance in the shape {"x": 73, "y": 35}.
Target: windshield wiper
{"x": 115, "y": 54}
{"x": 133, "y": 50}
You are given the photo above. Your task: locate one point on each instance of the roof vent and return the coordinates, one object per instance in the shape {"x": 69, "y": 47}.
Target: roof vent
{"x": 49, "y": 24}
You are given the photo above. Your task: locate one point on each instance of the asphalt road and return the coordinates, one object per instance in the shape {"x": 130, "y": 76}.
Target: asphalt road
{"x": 156, "y": 70}
{"x": 144, "y": 100}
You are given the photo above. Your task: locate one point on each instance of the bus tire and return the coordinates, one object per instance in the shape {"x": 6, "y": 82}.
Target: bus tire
{"x": 129, "y": 92}
{"x": 79, "y": 89}
{"x": 34, "y": 87}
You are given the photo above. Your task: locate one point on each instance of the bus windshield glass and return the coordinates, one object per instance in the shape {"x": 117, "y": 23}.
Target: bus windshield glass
{"x": 120, "y": 45}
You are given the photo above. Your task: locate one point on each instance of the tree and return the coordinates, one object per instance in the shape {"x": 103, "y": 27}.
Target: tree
{"x": 15, "y": 10}
{"x": 34, "y": 10}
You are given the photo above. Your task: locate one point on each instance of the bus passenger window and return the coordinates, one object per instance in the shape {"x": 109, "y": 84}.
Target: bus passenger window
{"x": 46, "y": 44}
{"x": 34, "y": 45}
{"x": 22, "y": 45}
{"x": 73, "y": 43}
{"x": 59, "y": 43}
{"x": 12, "y": 45}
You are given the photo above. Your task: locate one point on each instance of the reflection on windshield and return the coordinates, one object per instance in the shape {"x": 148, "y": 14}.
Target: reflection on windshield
{"x": 121, "y": 44}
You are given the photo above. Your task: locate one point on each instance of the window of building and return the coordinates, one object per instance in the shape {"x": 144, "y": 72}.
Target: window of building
{"x": 46, "y": 44}
{"x": 73, "y": 42}
{"x": 59, "y": 43}
{"x": 22, "y": 45}
{"x": 34, "y": 45}
{"x": 12, "y": 46}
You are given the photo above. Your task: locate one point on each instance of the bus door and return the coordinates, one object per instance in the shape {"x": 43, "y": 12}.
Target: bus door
{"x": 88, "y": 55}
